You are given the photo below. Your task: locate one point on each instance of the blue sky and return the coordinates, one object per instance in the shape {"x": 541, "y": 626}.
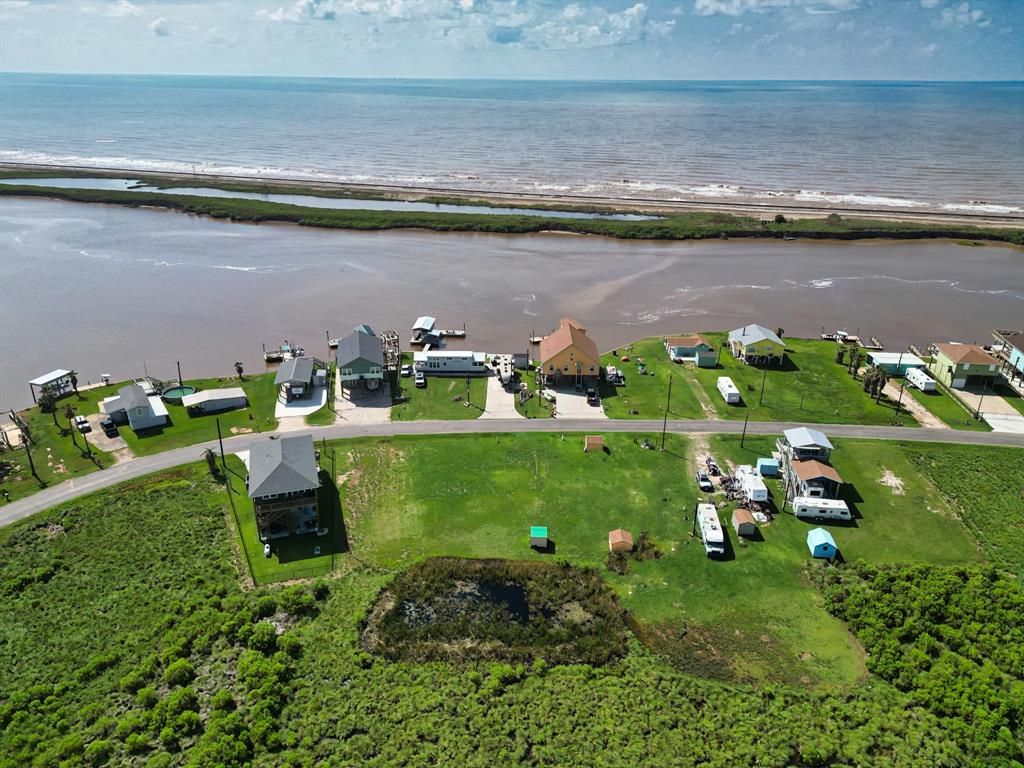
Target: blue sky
{"x": 675, "y": 39}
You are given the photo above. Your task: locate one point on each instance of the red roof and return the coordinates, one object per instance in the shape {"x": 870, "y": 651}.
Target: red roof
{"x": 569, "y": 334}
{"x": 809, "y": 469}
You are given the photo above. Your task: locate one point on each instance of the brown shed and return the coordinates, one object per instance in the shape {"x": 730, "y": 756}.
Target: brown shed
{"x": 620, "y": 540}
{"x": 743, "y": 522}
{"x": 593, "y": 443}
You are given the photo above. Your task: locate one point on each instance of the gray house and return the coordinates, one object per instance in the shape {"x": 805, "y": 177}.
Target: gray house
{"x": 282, "y": 483}
{"x": 360, "y": 357}
{"x": 294, "y": 379}
{"x": 132, "y": 406}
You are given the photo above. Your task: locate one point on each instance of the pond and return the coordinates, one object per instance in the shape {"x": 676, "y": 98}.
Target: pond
{"x": 315, "y": 201}
{"x": 459, "y": 609}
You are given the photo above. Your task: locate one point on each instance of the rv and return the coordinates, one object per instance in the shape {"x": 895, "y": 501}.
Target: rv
{"x": 710, "y": 530}
{"x": 751, "y": 483}
{"x": 921, "y": 380}
{"x": 728, "y": 390}
{"x": 809, "y": 508}
{"x": 450, "y": 363}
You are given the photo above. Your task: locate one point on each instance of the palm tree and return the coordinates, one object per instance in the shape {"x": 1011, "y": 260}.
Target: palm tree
{"x": 840, "y": 354}
{"x": 73, "y": 378}
{"x": 69, "y": 414}
{"x": 880, "y": 381}
{"x": 239, "y": 369}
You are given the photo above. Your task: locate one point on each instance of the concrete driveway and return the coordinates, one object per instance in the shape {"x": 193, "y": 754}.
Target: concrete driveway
{"x": 363, "y": 406}
{"x": 305, "y": 407}
{"x": 570, "y": 404}
{"x": 500, "y": 404}
{"x": 1004, "y": 422}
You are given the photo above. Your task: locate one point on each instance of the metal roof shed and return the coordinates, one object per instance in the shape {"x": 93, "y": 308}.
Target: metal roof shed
{"x": 539, "y": 536}
{"x": 424, "y": 323}
{"x": 59, "y": 378}
{"x": 821, "y": 544}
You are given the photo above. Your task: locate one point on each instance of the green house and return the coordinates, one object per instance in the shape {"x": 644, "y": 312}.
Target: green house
{"x": 360, "y": 358}
{"x": 539, "y": 536}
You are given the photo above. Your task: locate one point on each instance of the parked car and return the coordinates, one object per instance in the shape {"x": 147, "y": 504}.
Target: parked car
{"x": 82, "y": 424}
{"x": 109, "y": 427}
{"x": 421, "y": 379}
{"x": 591, "y": 396}
{"x": 406, "y": 371}
{"x": 704, "y": 482}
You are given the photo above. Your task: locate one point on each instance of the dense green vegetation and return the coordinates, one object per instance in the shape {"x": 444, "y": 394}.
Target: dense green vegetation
{"x": 444, "y": 397}
{"x": 457, "y": 609}
{"x": 953, "y": 639}
{"x": 682, "y": 226}
{"x": 810, "y": 386}
{"x": 151, "y": 654}
{"x": 986, "y": 487}
{"x": 125, "y": 637}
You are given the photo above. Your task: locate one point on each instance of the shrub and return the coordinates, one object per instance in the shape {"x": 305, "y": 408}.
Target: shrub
{"x": 266, "y": 607}
{"x": 188, "y": 723}
{"x": 146, "y": 698}
{"x": 136, "y": 744}
{"x": 168, "y": 738}
{"x": 98, "y": 752}
{"x": 223, "y": 701}
{"x": 179, "y": 672}
{"x": 290, "y": 644}
{"x": 263, "y": 638}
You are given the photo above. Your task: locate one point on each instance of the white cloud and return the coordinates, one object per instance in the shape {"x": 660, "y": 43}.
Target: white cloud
{"x": 300, "y": 10}
{"x": 766, "y": 40}
{"x": 963, "y": 16}
{"x": 930, "y": 3}
{"x": 122, "y": 9}
{"x": 738, "y": 28}
{"x": 739, "y": 7}
{"x": 931, "y": 49}
{"x": 591, "y": 26}
{"x": 159, "y": 28}
{"x": 843, "y": 27}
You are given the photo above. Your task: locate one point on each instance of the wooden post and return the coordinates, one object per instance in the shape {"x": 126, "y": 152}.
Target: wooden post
{"x": 744, "y": 435}
{"x": 764, "y": 380}
{"x": 31, "y": 464}
{"x": 179, "y": 373}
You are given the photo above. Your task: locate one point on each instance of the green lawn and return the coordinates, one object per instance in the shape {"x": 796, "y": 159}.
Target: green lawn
{"x": 809, "y": 387}
{"x": 293, "y": 557}
{"x": 753, "y": 617}
{"x": 326, "y": 415}
{"x": 947, "y": 408}
{"x": 189, "y": 430}
{"x": 55, "y": 457}
{"x": 536, "y": 407}
{"x": 444, "y": 397}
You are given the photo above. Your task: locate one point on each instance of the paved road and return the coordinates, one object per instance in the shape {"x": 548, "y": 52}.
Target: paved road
{"x": 72, "y": 489}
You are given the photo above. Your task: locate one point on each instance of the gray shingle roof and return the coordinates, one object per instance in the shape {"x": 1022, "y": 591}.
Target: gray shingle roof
{"x": 282, "y": 465}
{"x": 298, "y": 369}
{"x": 131, "y": 396}
{"x": 359, "y": 345}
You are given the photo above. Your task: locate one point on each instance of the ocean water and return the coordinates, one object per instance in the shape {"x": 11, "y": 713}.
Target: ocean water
{"x": 906, "y": 146}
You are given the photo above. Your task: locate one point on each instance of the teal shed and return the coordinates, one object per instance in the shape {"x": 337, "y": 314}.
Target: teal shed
{"x": 768, "y": 467}
{"x": 821, "y": 544}
{"x": 539, "y": 536}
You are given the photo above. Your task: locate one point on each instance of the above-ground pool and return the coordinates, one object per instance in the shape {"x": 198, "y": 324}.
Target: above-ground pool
{"x": 174, "y": 394}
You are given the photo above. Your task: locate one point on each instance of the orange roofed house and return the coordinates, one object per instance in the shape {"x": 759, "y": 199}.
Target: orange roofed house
{"x": 569, "y": 356}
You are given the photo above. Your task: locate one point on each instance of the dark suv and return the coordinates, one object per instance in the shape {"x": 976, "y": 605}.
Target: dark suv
{"x": 109, "y": 427}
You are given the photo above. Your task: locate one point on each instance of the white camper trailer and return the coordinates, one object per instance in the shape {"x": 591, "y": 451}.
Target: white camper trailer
{"x": 710, "y": 530}
{"x": 751, "y": 483}
{"x": 812, "y": 508}
{"x": 728, "y": 390}
{"x": 921, "y": 380}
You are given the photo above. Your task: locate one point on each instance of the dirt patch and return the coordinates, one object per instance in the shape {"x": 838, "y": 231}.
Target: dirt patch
{"x": 891, "y": 480}
{"x": 704, "y": 400}
{"x": 241, "y": 430}
{"x": 350, "y": 478}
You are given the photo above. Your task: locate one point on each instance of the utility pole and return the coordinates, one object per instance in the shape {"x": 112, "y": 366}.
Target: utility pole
{"x": 984, "y": 390}
{"x": 179, "y": 373}
{"x": 764, "y": 380}
{"x": 693, "y": 528}
{"x": 744, "y": 435}
{"x": 664, "y": 422}
{"x": 31, "y": 464}
{"x": 220, "y": 439}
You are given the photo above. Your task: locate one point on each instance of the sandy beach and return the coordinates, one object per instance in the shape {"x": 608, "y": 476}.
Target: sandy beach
{"x": 737, "y": 206}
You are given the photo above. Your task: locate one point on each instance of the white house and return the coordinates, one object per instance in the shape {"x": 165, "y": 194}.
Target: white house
{"x": 133, "y": 406}
{"x": 450, "y": 363}
{"x": 213, "y": 400}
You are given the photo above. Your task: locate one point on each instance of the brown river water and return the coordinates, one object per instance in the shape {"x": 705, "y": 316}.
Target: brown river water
{"x": 103, "y": 289}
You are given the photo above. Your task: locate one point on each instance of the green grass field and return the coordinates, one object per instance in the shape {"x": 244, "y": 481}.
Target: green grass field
{"x": 444, "y": 397}
{"x": 809, "y": 387}
{"x": 93, "y": 627}
{"x": 536, "y": 407}
{"x": 943, "y": 405}
{"x": 476, "y": 496}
